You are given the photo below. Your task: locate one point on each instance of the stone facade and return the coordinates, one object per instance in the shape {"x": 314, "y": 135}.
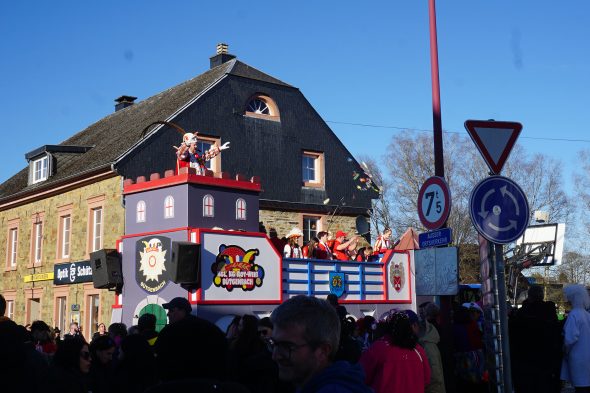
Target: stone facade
{"x": 104, "y": 195}
{"x": 284, "y": 221}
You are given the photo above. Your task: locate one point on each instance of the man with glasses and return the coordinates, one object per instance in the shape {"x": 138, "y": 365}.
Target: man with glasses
{"x": 304, "y": 341}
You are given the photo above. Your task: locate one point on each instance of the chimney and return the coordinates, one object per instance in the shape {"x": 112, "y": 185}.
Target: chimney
{"x": 124, "y": 102}
{"x": 221, "y": 57}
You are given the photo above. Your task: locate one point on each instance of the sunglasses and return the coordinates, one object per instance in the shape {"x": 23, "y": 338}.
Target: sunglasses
{"x": 85, "y": 355}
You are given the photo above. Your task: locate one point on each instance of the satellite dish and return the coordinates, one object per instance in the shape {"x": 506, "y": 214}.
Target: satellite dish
{"x": 362, "y": 225}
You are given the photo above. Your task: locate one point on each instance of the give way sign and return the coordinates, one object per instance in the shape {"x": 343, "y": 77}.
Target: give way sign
{"x": 494, "y": 140}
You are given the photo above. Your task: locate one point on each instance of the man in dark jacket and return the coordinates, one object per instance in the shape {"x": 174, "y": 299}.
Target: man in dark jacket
{"x": 535, "y": 341}
{"x": 305, "y": 340}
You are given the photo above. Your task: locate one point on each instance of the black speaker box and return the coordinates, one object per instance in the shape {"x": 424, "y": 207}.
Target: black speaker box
{"x": 185, "y": 264}
{"x": 106, "y": 268}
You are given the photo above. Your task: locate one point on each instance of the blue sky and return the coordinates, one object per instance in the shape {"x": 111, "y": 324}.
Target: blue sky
{"x": 63, "y": 63}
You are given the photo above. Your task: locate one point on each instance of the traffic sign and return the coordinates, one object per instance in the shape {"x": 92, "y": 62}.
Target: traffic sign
{"x": 434, "y": 202}
{"x": 499, "y": 209}
{"x": 439, "y": 237}
{"x": 494, "y": 140}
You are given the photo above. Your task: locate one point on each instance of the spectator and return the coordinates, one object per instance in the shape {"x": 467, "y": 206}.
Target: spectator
{"x": 250, "y": 359}
{"x": 305, "y": 340}
{"x": 178, "y": 309}
{"x": 3, "y": 309}
{"x": 265, "y": 328}
{"x": 323, "y": 251}
{"x": 292, "y": 249}
{"x": 231, "y": 333}
{"x": 469, "y": 357}
{"x": 101, "y": 369}
{"x": 41, "y": 335}
{"x": 342, "y": 246}
{"x": 136, "y": 370}
{"x": 147, "y": 328}
{"x": 575, "y": 367}
{"x": 397, "y": 363}
{"x": 191, "y": 348}
{"x": 56, "y": 335}
{"x": 74, "y": 331}
{"x": 535, "y": 368}
{"x": 71, "y": 365}
{"x": 102, "y": 331}
{"x": 340, "y": 309}
{"x": 429, "y": 338}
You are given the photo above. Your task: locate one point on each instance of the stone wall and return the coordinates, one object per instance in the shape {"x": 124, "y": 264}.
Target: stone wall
{"x": 106, "y": 193}
{"x": 284, "y": 221}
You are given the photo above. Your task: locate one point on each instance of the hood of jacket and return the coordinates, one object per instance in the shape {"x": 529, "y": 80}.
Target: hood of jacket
{"x": 429, "y": 334}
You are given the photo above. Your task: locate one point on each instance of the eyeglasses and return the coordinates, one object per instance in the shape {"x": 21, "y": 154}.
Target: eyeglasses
{"x": 284, "y": 348}
{"x": 85, "y": 355}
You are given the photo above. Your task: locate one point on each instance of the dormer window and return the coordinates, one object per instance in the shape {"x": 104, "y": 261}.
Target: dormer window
{"x": 40, "y": 168}
{"x": 262, "y": 107}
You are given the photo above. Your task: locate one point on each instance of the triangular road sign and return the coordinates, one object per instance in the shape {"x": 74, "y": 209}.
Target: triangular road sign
{"x": 494, "y": 140}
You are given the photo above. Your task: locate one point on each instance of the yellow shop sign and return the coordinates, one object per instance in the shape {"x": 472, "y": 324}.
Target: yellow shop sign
{"x": 39, "y": 277}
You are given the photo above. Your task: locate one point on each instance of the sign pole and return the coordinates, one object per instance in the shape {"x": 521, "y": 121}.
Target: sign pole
{"x": 503, "y": 318}
{"x": 439, "y": 168}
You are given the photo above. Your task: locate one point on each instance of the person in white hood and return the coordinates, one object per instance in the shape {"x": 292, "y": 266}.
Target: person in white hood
{"x": 575, "y": 366}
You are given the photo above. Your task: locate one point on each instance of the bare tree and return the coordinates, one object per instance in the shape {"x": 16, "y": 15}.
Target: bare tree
{"x": 382, "y": 214}
{"x": 575, "y": 268}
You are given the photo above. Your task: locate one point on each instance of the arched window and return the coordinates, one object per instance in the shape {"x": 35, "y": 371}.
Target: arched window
{"x": 262, "y": 107}
{"x": 240, "y": 209}
{"x": 169, "y": 207}
{"x": 208, "y": 206}
{"x": 140, "y": 212}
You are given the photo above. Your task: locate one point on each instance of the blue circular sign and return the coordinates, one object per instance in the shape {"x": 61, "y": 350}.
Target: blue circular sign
{"x": 499, "y": 209}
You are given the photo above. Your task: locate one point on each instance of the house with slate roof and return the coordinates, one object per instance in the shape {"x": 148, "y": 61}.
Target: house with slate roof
{"x": 68, "y": 201}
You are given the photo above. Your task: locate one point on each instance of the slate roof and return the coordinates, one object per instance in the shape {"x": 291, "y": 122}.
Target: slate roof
{"x": 118, "y": 132}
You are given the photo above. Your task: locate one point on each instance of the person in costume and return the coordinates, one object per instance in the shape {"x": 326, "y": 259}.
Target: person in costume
{"x": 188, "y": 154}
{"x": 383, "y": 242}
{"x": 292, "y": 249}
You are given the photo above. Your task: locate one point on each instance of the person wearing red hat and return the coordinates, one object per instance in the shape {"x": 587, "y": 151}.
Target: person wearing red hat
{"x": 341, "y": 245}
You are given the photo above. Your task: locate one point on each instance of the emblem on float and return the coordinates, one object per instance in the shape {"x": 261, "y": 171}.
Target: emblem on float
{"x": 235, "y": 267}
{"x": 337, "y": 283}
{"x": 396, "y": 274}
{"x": 151, "y": 259}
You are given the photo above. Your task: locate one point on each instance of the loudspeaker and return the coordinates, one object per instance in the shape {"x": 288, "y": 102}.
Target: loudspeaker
{"x": 185, "y": 264}
{"x": 106, "y": 268}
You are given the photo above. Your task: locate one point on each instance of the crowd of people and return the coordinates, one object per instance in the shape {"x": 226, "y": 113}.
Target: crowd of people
{"x": 306, "y": 345}
{"x": 340, "y": 246}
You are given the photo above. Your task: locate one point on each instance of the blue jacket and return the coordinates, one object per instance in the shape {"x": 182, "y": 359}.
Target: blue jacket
{"x": 340, "y": 377}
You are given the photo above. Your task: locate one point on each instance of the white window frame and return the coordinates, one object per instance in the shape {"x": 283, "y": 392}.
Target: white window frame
{"x": 38, "y": 241}
{"x": 206, "y": 207}
{"x": 97, "y": 228}
{"x": 13, "y": 246}
{"x": 241, "y": 214}
{"x": 169, "y": 207}
{"x": 41, "y": 173}
{"x": 10, "y": 309}
{"x": 62, "y": 313}
{"x": 66, "y": 233}
{"x": 140, "y": 212}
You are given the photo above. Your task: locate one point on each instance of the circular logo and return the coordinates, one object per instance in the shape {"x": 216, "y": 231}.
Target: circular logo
{"x": 434, "y": 202}
{"x": 499, "y": 209}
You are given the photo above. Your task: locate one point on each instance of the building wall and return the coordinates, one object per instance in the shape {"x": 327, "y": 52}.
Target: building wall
{"x": 284, "y": 221}
{"x": 78, "y": 202}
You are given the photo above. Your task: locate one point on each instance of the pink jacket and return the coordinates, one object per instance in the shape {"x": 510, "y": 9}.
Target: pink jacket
{"x": 395, "y": 370}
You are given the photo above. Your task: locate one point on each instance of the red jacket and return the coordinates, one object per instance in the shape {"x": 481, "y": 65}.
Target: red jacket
{"x": 391, "y": 369}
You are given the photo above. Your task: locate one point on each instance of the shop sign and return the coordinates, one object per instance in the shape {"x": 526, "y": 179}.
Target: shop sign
{"x": 72, "y": 273}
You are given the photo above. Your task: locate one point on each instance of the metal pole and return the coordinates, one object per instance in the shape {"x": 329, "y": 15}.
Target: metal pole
{"x": 439, "y": 168}
{"x": 503, "y": 311}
